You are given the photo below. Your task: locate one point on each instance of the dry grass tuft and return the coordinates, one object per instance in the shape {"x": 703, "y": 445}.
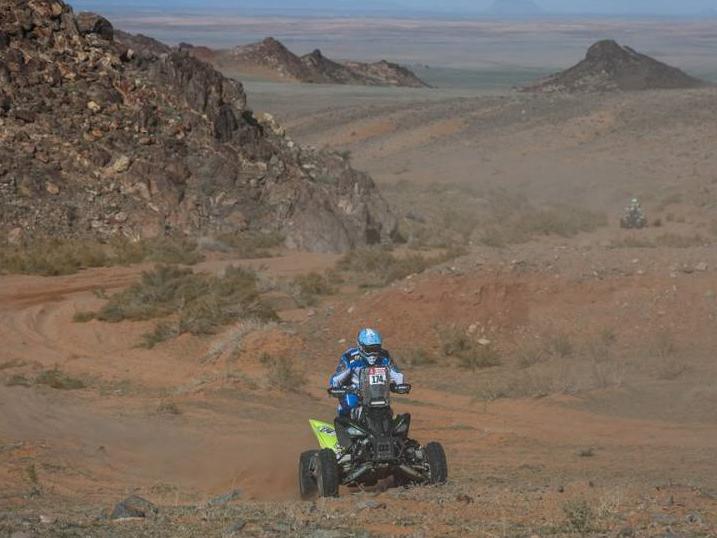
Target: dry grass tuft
{"x": 58, "y": 380}
{"x": 579, "y": 516}
{"x": 307, "y": 289}
{"x": 418, "y": 357}
{"x": 196, "y": 303}
{"x": 251, "y": 245}
{"x": 63, "y": 257}
{"x": 376, "y": 267}
{"x": 283, "y": 373}
{"x": 456, "y": 342}
{"x": 671, "y": 240}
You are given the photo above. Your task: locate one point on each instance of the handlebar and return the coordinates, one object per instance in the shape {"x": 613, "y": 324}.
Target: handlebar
{"x": 340, "y": 392}
{"x": 404, "y": 388}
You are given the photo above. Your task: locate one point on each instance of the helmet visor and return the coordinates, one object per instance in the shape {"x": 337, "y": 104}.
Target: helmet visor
{"x": 372, "y": 351}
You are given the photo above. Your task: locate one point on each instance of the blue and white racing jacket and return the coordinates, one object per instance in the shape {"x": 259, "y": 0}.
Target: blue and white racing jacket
{"x": 351, "y": 363}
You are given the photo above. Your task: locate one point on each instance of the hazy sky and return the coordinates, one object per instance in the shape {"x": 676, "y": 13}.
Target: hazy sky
{"x": 455, "y": 7}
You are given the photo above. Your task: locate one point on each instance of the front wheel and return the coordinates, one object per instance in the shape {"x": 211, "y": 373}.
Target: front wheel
{"x": 307, "y": 482}
{"x": 327, "y": 473}
{"x": 437, "y": 464}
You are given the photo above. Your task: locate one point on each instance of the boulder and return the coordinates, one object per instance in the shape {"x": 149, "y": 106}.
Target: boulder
{"x": 134, "y": 507}
{"x": 121, "y": 164}
{"x": 92, "y": 23}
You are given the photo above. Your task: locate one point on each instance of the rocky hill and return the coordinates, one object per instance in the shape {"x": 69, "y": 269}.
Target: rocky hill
{"x": 102, "y": 135}
{"x": 609, "y": 66}
{"x": 272, "y": 59}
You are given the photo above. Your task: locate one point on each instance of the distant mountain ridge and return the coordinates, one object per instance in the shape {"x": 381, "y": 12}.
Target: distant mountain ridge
{"x": 397, "y": 8}
{"x": 270, "y": 58}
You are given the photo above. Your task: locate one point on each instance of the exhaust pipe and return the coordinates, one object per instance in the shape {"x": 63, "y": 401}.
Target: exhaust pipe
{"x": 411, "y": 473}
{"x": 358, "y": 473}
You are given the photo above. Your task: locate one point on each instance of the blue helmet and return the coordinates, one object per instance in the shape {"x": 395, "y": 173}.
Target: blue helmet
{"x": 369, "y": 343}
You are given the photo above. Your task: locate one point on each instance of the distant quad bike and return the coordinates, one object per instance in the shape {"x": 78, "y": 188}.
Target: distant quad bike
{"x": 633, "y": 220}
{"x": 369, "y": 446}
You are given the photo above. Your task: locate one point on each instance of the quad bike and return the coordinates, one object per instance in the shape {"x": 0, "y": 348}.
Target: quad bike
{"x": 370, "y": 445}
{"x": 633, "y": 220}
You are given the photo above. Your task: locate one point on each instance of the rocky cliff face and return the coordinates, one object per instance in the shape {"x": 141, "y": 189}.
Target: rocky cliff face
{"x": 272, "y": 57}
{"x": 103, "y": 134}
{"x": 609, "y": 67}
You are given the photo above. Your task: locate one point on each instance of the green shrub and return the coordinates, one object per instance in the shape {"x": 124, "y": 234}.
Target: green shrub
{"x": 479, "y": 357}
{"x": 419, "y": 357}
{"x": 67, "y": 256}
{"x": 307, "y": 288}
{"x": 58, "y": 380}
{"x": 52, "y": 258}
{"x": 168, "y": 407}
{"x": 18, "y": 380}
{"x": 199, "y": 303}
{"x": 83, "y": 317}
{"x": 579, "y": 516}
{"x": 12, "y": 363}
{"x": 378, "y": 267}
{"x": 162, "y": 332}
{"x": 454, "y": 340}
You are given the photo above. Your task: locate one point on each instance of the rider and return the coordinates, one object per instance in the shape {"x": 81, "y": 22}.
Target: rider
{"x": 368, "y": 352}
{"x": 634, "y": 207}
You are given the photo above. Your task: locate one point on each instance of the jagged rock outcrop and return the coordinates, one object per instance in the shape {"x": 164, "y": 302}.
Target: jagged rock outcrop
{"x": 609, "y": 66}
{"x": 271, "y": 58}
{"x": 322, "y": 69}
{"x": 102, "y": 133}
{"x": 386, "y": 74}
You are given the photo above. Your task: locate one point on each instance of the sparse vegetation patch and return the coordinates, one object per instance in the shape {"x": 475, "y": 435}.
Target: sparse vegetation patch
{"x": 470, "y": 353}
{"x": 63, "y": 257}
{"x": 308, "y": 288}
{"x": 57, "y": 379}
{"x": 379, "y": 267}
{"x": 283, "y": 373}
{"x": 196, "y": 303}
{"x": 251, "y": 245}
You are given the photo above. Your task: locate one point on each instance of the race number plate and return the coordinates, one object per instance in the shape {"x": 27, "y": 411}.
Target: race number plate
{"x": 377, "y": 376}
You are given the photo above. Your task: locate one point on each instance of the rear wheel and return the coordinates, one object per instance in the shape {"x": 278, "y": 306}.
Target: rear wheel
{"x": 437, "y": 464}
{"x": 327, "y": 473}
{"x": 307, "y": 482}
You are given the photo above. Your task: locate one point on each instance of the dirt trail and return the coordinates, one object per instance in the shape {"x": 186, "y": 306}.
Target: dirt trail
{"x": 233, "y": 431}
{"x": 252, "y": 439}
{"x": 119, "y": 413}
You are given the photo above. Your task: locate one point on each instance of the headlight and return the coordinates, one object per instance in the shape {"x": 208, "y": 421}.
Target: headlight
{"x": 354, "y": 432}
{"x": 402, "y": 428}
